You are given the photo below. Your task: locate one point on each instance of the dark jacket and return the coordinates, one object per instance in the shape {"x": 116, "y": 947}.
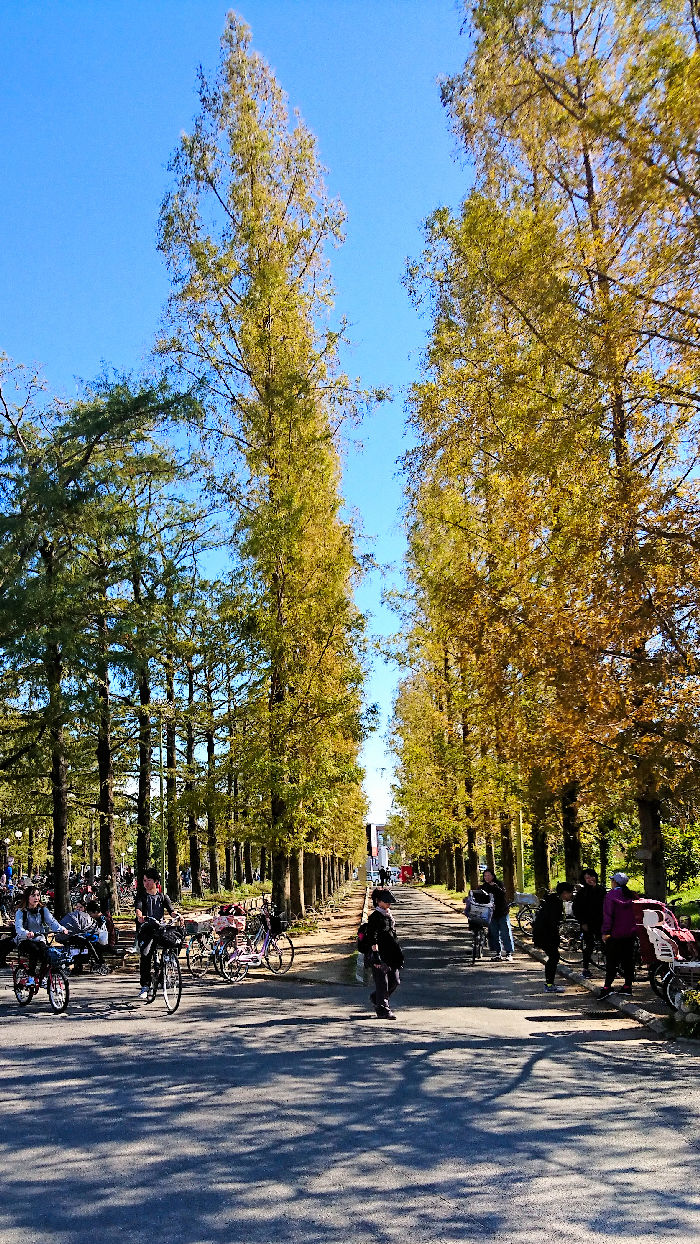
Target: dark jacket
{"x": 588, "y": 906}
{"x": 500, "y": 902}
{"x": 381, "y": 932}
{"x": 548, "y": 917}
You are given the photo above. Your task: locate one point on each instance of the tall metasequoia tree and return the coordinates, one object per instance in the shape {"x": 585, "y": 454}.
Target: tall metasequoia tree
{"x": 562, "y": 382}
{"x": 243, "y": 232}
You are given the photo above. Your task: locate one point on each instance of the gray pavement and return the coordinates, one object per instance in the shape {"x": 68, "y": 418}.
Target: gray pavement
{"x": 281, "y": 1111}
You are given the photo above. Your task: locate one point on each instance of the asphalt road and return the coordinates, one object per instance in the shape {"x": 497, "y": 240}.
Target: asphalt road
{"x": 283, "y": 1112}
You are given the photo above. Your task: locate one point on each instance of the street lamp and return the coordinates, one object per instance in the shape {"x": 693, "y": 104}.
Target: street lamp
{"x": 79, "y": 843}
{"x": 18, "y": 836}
{"x": 7, "y": 851}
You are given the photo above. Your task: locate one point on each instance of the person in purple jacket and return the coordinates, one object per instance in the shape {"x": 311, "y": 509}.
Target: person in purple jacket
{"x": 619, "y": 933}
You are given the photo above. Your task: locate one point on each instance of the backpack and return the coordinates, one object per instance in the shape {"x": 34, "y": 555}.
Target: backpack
{"x": 364, "y": 940}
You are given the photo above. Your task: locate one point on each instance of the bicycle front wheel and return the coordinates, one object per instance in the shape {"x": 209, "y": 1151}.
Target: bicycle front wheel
{"x": 58, "y": 990}
{"x": 279, "y": 955}
{"x": 234, "y": 959}
{"x": 23, "y": 992}
{"x": 657, "y": 979}
{"x": 198, "y": 956}
{"x": 525, "y": 919}
{"x": 172, "y": 983}
{"x": 155, "y": 977}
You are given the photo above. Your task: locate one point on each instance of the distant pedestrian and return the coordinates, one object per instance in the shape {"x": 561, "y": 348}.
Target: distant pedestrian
{"x": 545, "y": 931}
{"x": 386, "y": 956}
{"x": 588, "y": 910}
{"x": 383, "y": 876}
{"x": 619, "y": 934}
{"x": 500, "y": 933}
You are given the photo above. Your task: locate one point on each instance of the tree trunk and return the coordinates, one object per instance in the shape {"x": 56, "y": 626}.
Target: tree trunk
{"x": 309, "y": 879}
{"x": 173, "y": 880}
{"x": 248, "y": 863}
{"x": 212, "y": 840}
{"x": 649, "y": 809}
{"x": 490, "y": 857}
{"x": 263, "y": 863}
{"x": 318, "y": 860}
{"x": 195, "y": 856}
{"x": 280, "y": 878}
{"x": 53, "y": 665}
{"x": 540, "y": 851}
{"x": 449, "y": 866}
{"x": 460, "y": 878}
{"x": 238, "y": 862}
{"x": 507, "y": 856}
{"x": 105, "y": 760}
{"x": 228, "y": 865}
{"x": 572, "y": 831}
{"x": 605, "y": 830}
{"x": 143, "y": 794}
{"x": 296, "y": 882}
{"x": 472, "y": 858}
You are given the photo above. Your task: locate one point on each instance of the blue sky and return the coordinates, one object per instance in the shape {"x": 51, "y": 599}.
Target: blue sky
{"x": 93, "y": 97}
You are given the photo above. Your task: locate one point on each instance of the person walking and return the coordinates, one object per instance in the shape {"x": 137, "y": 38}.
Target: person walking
{"x": 500, "y": 933}
{"x": 545, "y": 931}
{"x": 619, "y": 934}
{"x": 588, "y": 910}
{"x": 386, "y": 956}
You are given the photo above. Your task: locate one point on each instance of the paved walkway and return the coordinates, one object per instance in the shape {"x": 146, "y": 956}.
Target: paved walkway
{"x": 284, "y": 1112}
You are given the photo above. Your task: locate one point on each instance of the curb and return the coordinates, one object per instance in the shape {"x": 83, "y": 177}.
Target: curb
{"x": 634, "y": 1011}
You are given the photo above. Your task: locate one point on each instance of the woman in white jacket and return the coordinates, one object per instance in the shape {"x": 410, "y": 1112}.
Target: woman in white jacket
{"x": 32, "y": 920}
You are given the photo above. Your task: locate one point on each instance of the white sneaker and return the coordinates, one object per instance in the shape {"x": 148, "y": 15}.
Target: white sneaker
{"x": 509, "y": 958}
{"x": 144, "y": 993}
{"x": 132, "y": 950}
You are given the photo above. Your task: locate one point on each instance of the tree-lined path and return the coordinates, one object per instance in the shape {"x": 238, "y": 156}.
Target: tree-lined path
{"x": 283, "y": 1111}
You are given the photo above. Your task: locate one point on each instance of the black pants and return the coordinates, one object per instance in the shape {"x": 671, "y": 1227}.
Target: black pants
{"x": 147, "y": 945}
{"x": 619, "y": 957}
{"x": 551, "y": 949}
{"x": 386, "y": 981}
{"x": 6, "y": 945}
{"x": 34, "y": 951}
{"x": 589, "y": 936}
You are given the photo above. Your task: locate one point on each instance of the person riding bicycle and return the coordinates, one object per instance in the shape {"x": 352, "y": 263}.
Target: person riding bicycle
{"x": 32, "y": 921}
{"x": 151, "y": 905}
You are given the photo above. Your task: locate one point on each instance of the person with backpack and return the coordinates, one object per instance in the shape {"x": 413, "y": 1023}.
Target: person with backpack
{"x": 32, "y": 921}
{"x": 619, "y": 934}
{"x": 588, "y": 910}
{"x": 500, "y": 933}
{"x": 545, "y": 931}
{"x": 385, "y": 954}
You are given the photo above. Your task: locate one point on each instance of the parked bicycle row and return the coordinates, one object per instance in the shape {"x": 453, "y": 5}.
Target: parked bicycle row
{"x": 50, "y": 951}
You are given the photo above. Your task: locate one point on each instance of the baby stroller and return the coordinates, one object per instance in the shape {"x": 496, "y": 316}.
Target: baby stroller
{"x": 664, "y": 945}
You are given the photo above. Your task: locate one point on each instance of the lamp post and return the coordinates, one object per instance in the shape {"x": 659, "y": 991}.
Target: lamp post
{"x": 69, "y": 849}
{"x": 18, "y": 836}
{"x": 79, "y": 843}
{"x": 6, "y": 842}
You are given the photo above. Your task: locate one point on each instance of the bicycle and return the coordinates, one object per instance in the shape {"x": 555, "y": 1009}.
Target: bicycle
{"x": 53, "y": 975}
{"x": 271, "y": 940}
{"x": 165, "y": 964}
{"x": 263, "y": 942}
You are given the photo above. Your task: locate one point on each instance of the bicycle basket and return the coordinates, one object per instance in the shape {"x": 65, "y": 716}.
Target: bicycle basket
{"x": 170, "y": 937}
{"x": 479, "y": 915}
{"x": 278, "y": 923}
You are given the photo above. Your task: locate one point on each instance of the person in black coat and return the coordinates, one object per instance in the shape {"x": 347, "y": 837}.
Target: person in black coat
{"x": 386, "y": 956}
{"x": 588, "y": 910}
{"x": 545, "y": 931}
